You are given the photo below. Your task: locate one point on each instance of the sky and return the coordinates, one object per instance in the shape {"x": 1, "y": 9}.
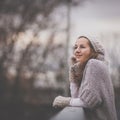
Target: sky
{"x": 94, "y": 17}
{"x": 91, "y": 17}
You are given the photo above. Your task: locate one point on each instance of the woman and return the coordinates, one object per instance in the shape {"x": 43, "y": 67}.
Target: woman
{"x": 90, "y": 83}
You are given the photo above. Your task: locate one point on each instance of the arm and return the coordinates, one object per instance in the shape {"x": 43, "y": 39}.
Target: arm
{"x": 74, "y": 90}
{"x": 90, "y": 88}
{"x": 75, "y": 76}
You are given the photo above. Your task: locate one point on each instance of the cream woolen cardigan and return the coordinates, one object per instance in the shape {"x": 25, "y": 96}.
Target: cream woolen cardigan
{"x": 96, "y": 91}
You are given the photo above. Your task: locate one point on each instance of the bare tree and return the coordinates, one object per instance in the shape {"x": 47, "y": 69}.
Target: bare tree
{"x": 18, "y": 16}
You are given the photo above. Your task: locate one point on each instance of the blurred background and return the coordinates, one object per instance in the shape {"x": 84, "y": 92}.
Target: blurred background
{"x": 36, "y": 41}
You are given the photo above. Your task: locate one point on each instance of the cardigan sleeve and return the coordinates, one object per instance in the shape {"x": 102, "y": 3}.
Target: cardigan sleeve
{"x": 74, "y": 90}
{"x": 90, "y": 99}
{"x": 90, "y": 88}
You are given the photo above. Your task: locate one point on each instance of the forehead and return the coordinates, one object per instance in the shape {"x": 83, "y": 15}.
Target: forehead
{"x": 82, "y": 41}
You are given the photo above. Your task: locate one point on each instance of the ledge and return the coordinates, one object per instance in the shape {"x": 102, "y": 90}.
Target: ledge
{"x": 70, "y": 113}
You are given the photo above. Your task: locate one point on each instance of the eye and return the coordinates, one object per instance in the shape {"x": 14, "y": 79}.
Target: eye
{"x": 82, "y": 46}
{"x": 75, "y": 47}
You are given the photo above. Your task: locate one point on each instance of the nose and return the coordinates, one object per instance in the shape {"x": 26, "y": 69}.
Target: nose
{"x": 78, "y": 50}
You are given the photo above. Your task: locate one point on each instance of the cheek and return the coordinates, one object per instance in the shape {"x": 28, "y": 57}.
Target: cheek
{"x": 88, "y": 53}
{"x": 89, "y": 56}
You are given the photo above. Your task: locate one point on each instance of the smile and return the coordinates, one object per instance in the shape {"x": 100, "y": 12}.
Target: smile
{"x": 78, "y": 56}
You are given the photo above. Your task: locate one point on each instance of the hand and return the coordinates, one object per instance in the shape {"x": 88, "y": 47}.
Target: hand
{"x": 76, "y": 71}
{"x": 73, "y": 60}
{"x": 61, "y": 101}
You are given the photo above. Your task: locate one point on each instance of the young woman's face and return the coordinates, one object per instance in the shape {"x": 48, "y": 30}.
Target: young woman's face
{"x": 82, "y": 50}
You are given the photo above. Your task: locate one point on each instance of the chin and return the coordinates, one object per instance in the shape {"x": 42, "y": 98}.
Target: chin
{"x": 78, "y": 60}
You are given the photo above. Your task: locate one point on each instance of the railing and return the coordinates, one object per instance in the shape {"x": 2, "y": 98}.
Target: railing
{"x": 70, "y": 113}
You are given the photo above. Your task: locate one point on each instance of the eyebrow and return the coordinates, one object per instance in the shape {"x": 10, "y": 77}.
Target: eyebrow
{"x": 79, "y": 45}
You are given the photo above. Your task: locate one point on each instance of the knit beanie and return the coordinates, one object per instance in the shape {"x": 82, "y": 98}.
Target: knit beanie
{"x": 99, "y": 49}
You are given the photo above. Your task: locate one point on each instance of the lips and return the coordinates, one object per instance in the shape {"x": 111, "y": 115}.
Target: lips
{"x": 78, "y": 55}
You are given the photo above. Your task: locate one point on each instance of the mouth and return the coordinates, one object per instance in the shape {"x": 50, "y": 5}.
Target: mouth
{"x": 77, "y": 56}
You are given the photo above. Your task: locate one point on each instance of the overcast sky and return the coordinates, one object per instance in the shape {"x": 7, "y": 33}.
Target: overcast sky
{"x": 91, "y": 17}
{"x": 94, "y": 16}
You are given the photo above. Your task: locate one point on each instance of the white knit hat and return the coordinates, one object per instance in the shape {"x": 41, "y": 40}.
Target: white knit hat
{"x": 99, "y": 49}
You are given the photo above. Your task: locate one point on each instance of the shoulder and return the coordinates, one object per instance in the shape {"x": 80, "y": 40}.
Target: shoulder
{"x": 97, "y": 65}
{"x": 95, "y": 62}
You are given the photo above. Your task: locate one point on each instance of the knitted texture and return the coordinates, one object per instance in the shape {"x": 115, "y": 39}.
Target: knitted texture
{"x": 98, "y": 48}
{"x": 61, "y": 101}
{"x": 76, "y": 71}
{"x": 96, "y": 91}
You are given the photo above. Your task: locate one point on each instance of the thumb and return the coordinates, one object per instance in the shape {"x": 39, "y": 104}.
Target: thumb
{"x": 73, "y": 60}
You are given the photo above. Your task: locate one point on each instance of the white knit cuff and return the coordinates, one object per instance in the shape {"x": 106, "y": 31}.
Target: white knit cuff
{"x": 76, "y": 102}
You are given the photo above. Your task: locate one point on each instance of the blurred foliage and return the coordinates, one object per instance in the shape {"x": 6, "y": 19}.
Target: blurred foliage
{"x": 20, "y": 15}
{"x": 30, "y": 71}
